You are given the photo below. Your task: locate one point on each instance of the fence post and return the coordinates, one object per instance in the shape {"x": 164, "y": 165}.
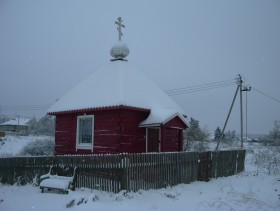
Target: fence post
{"x": 124, "y": 171}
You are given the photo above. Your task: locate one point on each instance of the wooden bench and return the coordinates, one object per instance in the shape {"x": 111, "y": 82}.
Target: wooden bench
{"x": 56, "y": 182}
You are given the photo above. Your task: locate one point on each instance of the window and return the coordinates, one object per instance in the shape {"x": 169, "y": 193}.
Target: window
{"x": 85, "y": 125}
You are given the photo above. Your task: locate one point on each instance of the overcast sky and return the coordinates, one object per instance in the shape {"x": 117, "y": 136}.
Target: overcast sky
{"x": 47, "y": 47}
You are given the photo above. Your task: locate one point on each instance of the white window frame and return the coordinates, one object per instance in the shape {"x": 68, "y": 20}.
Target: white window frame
{"x": 84, "y": 145}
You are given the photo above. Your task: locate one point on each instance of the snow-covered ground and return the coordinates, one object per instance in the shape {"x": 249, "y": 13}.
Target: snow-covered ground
{"x": 12, "y": 145}
{"x": 257, "y": 188}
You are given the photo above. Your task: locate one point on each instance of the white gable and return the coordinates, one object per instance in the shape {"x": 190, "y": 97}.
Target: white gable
{"x": 160, "y": 116}
{"x": 117, "y": 83}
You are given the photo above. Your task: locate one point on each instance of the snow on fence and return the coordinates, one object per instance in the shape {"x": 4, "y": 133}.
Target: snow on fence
{"x": 129, "y": 172}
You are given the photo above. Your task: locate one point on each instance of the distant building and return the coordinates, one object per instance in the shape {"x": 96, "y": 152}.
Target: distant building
{"x": 15, "y": 125}
{"x": 117, "y": 110}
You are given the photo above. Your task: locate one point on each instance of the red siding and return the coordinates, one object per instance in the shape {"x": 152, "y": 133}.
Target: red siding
{"x": 115, "y": 131}
{"x": 65, "y": 134}
{"x": 133, "y": 138}
{"x": 172, "y": 135}
{"x": 176, "y": 122}
{"x": 106, "y": 131}
{"x": 171, "y": 141}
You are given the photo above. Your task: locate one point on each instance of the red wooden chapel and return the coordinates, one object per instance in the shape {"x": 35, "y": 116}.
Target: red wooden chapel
{"x": 115, "y": 110}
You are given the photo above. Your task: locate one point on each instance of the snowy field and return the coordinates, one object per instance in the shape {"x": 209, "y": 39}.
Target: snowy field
{"x": 258, "y": 188}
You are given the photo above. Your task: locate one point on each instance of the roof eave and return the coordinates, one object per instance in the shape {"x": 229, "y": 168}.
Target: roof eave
{"x": 150, "y": 125}
{"x": 106, "y": 108}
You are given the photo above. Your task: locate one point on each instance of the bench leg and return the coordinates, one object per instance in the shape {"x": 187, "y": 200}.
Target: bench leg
{"x": 42, "y": 190}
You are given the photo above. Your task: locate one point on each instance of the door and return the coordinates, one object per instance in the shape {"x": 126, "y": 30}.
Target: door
{"x": 153, "y": 139}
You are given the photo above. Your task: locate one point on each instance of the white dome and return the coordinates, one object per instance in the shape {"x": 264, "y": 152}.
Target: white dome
{"x": 119, "y": 50}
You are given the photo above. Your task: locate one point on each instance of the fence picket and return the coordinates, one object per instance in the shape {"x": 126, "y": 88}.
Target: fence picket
{"x": 130, "y": 172}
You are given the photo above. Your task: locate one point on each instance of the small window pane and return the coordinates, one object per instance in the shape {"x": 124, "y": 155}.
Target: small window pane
{"x": 85, "y": 130}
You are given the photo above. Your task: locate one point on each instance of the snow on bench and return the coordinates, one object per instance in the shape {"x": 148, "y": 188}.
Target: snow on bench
{"x": 55, "y": 182}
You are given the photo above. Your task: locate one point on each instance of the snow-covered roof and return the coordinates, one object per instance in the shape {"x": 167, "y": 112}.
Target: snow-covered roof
{"x": 17, "y": 121}
{"x": 160, "y": 115}
{"x": 119, "y": 84}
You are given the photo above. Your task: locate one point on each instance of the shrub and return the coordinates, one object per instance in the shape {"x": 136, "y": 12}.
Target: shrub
{"x": 268, "y": 160}
{"x": 38, "y": 148}
{"x": 43, "y": 126}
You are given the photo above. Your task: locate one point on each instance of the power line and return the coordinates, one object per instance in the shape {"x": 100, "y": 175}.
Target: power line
{"x": 199, "y": 89}
{"x": 170, "y": 92}
{"x": 25, "y": 107}
{"x": 266, "y": 95}
{"x": 202, "y": 87}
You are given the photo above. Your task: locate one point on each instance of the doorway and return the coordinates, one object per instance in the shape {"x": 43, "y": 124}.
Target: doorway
{"x": 153, "y": 139}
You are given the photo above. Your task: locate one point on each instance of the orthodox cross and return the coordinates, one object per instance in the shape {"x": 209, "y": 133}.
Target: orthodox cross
{"x": 119, "y": 28}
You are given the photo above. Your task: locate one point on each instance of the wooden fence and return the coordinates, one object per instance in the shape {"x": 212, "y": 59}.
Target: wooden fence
{"x": 129, "y": 172}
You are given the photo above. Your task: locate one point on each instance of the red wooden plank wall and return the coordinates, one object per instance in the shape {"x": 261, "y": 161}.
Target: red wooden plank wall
{"x": 115, "y": 131}
{"x": 172, "y": 135}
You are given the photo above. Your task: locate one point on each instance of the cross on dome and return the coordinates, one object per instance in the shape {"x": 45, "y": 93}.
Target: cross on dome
{"x": 119, "y": 28}
{"x": 120, "y": 50}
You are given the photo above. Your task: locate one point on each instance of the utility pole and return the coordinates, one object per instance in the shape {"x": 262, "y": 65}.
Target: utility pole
{"x": 241, "y": 109}
{"x": 241, "y": 89}
{"x": 238, "y": 87}
{"x": 245, "y": 89}
{"x": 246, "y": 126}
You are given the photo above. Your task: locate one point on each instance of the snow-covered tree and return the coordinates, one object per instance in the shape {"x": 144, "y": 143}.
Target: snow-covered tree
{"x": 229, "y": 136}
{"x": 217, "y": 134}
{"x": 43, "y": 126}
{"x": 274, "y": 134}
{"x": 3, "y": 118}
{"x": 195, "y": 133}
{"x": 32, "y": 124}
{"x": 46, "y": 125}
